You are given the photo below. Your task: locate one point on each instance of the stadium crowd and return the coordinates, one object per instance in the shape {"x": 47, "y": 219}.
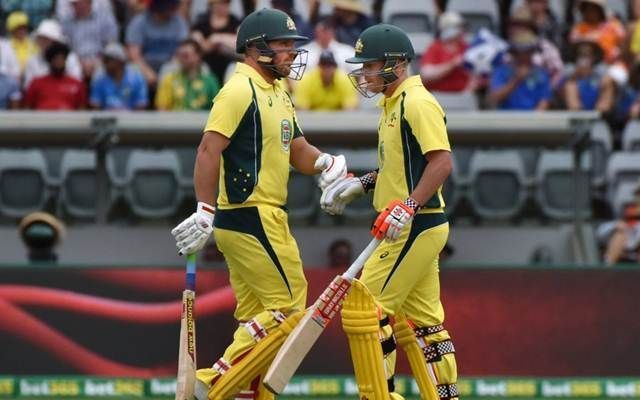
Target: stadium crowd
{"x": 155, "y": 54}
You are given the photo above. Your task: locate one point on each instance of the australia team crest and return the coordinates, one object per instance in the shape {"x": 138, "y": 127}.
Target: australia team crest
{"x": 286, "y": 134}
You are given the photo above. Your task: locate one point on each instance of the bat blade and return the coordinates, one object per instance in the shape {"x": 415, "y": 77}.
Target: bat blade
{"x": 304, "y": 335}
{"x": 187, "y": 348}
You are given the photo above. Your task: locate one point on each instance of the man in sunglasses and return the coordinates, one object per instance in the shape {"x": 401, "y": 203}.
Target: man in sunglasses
{"x": 251, "y": 139}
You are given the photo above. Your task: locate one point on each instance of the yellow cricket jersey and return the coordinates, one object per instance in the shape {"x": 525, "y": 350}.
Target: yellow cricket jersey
{"x": 311, "y": 94}
{"x": 412, "y": 124}
{"x": 260, "y": 120}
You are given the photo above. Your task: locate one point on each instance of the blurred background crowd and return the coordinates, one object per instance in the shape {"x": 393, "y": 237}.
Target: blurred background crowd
{"x": 176, "y": 54}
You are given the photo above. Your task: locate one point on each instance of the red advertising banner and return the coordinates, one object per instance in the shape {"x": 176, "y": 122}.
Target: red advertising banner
{"x": 505, "y": 322}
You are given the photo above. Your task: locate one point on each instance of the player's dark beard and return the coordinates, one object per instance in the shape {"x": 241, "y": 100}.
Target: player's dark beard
{"x": 57, "y": 71}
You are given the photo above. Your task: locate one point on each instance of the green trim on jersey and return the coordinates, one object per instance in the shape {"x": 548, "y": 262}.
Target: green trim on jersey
{"x": 420, "y": 223}
{"x": 247, "y": 220}
{"x": 243, "y": 156}
{"x": 414, "y": 161}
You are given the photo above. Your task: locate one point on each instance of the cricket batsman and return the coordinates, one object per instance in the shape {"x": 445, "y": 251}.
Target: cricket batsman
{"x": 400, "y": 279}
{"x": 251, "y": 138}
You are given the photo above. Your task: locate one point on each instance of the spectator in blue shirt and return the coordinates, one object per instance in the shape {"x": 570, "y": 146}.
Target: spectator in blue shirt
{"x": 586, "y": 88}
{"x": 120, "y": 87}
{"x": 153, "y": 36}
{"x": 350, "y": 20}
{"x": 519, "y": 84}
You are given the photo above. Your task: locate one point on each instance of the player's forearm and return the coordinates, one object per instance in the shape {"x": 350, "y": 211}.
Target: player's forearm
{"x": 207, "y": 168}
{"x": 303, "y": 156}
{"x": 434, "y": 176}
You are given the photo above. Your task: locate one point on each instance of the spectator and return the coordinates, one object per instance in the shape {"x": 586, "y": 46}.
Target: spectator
{"x": 442, "y": 65}
{"x": 191, "y": 87}
{"x": 586, "y": 88}
{"x": 37, "y": 10}
{"x": 41, "y": 233}
{"x": 64, "y": 8}
{"x": 286, "y": 6}
{"x": 49, "y": 32}
{"x": 624, "y": 234}
{"x": 18, "y": 29}
{"x": 350, "y": 20}
{"x": 326, "y": 87}
{"x": 119, "y": 87}
{"x": 519, "y": 84}
{"x": 56, "y": 90}
{"x": 340, "y": 254}
{"x": 325, "y": 39}
{"x": 153, "y": 36}
{"x": 9, "y": 63}
{"x": 596, "y": 26}
{"x": 215, "y": 32}
{"x": 10, "y": 94}
{"x": 547, "y": 56}
{"x": 544, "y": 21}
{"x": 628, "y": 97}
{"x": 88, "y": 32}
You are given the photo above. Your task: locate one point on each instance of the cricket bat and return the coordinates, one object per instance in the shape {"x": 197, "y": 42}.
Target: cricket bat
{"x": 187, "y": 346}
{"x": 312, "y": 324}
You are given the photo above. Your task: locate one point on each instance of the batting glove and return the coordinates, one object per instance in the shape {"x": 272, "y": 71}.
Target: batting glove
{"x": 341, "y": 192}
{"x": 332, "y": 167}
{"x": 393, "y": 219}
{"x": 192, "y": 233}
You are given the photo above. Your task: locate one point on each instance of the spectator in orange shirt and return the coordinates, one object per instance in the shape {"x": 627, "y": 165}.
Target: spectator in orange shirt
{"x": 441, "y": 66}
{"x": 609, "y": 33}
{"x": 56, "y": 90}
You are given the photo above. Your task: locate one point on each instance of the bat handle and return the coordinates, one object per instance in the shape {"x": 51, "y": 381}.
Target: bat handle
{"x": 362, "y": 258}
{"x": 191, "y": 272}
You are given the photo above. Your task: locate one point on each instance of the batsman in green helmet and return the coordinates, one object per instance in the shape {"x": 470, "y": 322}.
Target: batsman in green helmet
{"x": 401, "y": 282}
{"x": 251, "y": 139}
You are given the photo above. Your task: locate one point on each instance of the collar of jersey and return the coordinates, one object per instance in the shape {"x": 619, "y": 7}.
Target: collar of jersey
{"x": 251, "y": 73}
{"x": 409, "y": 82}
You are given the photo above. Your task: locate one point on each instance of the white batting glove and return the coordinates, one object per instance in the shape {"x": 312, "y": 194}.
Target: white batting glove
{"x": 192, "y": 233}
{"x": 341, "y": 192}
{"x": 332, "y": 167}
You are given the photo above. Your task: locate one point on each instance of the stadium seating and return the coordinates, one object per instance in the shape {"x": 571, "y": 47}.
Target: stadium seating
{"x": 497, "y": 189}
{"x": 555, "y": 188}
{"x": 600, "y": 149}
{"x": 623, "y": 195}
{"x": 462, "y": 101}
{"x": 152, "y": 189}
{"x": 409, "y": 8}
{"x": 303, "y": 196}
{"x": 631, "y": 136}
{"x": 78, "y": 190}
{"x": 623, "y": 168}
{"x": 477, "y": 13}
{"x": 23, "y": 182}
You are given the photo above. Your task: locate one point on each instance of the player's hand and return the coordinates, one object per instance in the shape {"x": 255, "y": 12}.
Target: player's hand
{"x": 332, "y": 167}
{"x": 393, "y": 219}
{"x": 341, "y": 192}
{"x": 192, "y": 233}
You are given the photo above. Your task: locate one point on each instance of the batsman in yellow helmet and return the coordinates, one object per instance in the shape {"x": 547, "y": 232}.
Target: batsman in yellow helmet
{"x": 250, "y": 141}
{"x": 400, "y": 280}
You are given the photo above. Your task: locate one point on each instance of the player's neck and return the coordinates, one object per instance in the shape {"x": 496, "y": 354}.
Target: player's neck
{"x": 391, "y": 89}
{"x": 264, "y": 73}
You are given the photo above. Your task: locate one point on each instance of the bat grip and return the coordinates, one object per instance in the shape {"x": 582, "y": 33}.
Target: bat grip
{"x": 191, "y": 272}
{"x": 362, "y": 258}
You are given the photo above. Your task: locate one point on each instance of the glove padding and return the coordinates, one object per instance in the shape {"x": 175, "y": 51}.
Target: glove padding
{"x": 390, "y": 222}
{"x": 332, "y": 167}
{"x": 192, "y": 233}
{"x": 341, "y": 192}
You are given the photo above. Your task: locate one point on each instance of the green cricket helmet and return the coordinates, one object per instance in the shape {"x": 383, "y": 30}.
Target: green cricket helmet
{"x": 382, "y": 42}
{"x": 263, "y": 26}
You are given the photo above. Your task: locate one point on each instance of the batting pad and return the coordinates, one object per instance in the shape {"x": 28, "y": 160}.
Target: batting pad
{"x": 360, "y": 323}
{"x": 406, "y": 338}
{"x": 255, "y": 362}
